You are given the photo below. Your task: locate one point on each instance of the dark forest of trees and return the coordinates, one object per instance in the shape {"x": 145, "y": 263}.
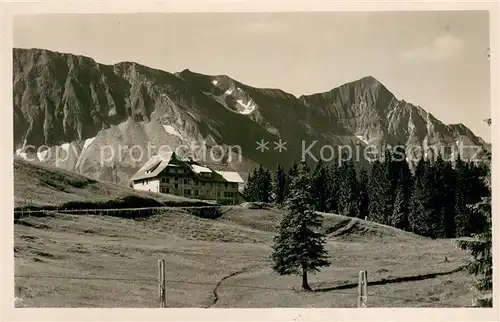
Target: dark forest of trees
{"x": 431, "y": 201}
{"x": 439, "y": 199}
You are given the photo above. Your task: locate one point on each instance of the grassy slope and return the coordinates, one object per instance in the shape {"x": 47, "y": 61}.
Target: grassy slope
{"x": 223, "y": 263}
{"x": 38, "y": 184}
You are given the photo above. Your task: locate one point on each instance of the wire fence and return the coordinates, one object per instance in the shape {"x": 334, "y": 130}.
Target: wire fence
{"x": 392, "y": 299}
{"x": 108, "y": 210}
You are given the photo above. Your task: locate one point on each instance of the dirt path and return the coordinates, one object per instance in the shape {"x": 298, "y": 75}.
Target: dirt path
{"x": 215, "y": 291}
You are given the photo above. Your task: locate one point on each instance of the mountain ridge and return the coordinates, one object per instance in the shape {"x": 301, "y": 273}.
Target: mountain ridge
{"x": 63, "y": 100}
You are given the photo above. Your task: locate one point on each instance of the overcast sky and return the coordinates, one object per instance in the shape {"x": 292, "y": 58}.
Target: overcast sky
{"x": 437, "y": 60}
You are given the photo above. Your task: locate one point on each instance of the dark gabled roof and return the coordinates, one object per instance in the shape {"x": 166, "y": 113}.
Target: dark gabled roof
{"x": 153, "y": 166}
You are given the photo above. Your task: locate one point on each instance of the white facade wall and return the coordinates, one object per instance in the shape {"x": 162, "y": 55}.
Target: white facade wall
{"x": 152, "y": 185}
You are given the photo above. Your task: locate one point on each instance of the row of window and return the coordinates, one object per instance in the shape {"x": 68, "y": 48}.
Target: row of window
{"x": 188, "y": 181}
{"x": 227, "y": 194}
{"x": 176, "y": 170}
{"x": 182, "y": 170}
{"x": 166, "y": 180}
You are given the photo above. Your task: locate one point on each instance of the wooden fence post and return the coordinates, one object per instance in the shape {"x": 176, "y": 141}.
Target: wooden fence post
{"x": 362, "y": 289}
{"x": 161, "y": 283}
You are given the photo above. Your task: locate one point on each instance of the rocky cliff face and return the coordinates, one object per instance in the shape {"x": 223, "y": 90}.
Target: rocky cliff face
{"x": 106, "y": 121}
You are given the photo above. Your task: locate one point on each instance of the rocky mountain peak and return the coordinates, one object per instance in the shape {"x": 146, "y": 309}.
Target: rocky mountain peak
{"x": 77, "y": 105}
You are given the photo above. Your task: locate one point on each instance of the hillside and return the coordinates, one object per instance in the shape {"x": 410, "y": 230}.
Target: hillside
{"x": 99, "y": 261}
{"x": 65, "y": 260}
{"x": 96, "y": 119}
{"x": 40, "y": 185}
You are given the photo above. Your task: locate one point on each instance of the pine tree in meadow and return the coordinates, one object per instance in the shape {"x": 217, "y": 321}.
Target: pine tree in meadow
{"x": 363, "y": 204}
{"x": 299, "y": 247}
{"x": 280, "y": 182}
{"x": 319, "y": 187}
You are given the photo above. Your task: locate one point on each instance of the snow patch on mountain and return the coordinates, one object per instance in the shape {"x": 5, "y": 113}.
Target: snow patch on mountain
{"x": 229, "y": 91}
{"x": 214, "y": 82}
{"x": 171, "y": 130}
{"x": 411, "y": 126}
{"x": 87, "y": 143}
{"x": 248, "y": 107}
{"x": 192, "y": 115}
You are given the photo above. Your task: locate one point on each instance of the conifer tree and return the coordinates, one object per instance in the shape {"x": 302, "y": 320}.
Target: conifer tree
{"x": 363, "y": 205}
{"x": 382, "y": 189}
{"x": 437, "y": 187}
{"x": 265, "y": 185}
{"x": 476, "y": 191}
{"x": 401, "y": 185}
{"x": 420, "y": 211}
{"x": 259, "y": 185}
{"x": 250, "y": 191}
{"x": 291, "y": 174}
{"x": 449, "y": 186}
{"x": 333, "y": 186}
{"x": 373, "y": 204}
{"x": 425, "y": 217}
{"x": 399, "y": 218}
{"x": 462, "y": 213}
{"x": 481, "y": 266}
{"x": 294, "y": 170}
{"x": 319, "y": 187}
{"x": 348, "y": 197}
{"x": 420, "y": 168}
{"x": 299, "y": 247}
{"x": 280, "y": 182}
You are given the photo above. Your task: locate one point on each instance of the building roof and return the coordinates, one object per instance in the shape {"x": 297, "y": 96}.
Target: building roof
{"x": 219, "y": 166}
{"x": 199, "y": 169}
{"x": 153, "y": 166}
{"x": 231, "y": 176}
